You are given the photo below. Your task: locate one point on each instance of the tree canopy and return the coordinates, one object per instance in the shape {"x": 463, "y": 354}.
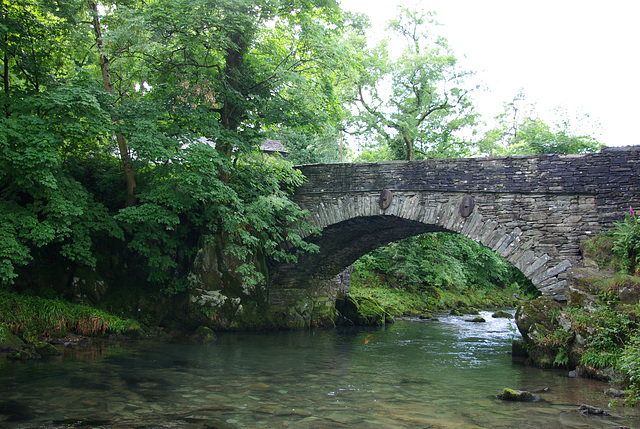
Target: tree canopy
{"x": 416, "y": 102}
{"x": 183, "y": 92}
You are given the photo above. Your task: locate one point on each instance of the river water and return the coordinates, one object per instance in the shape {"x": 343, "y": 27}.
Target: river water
{"x": 411, "y": 374}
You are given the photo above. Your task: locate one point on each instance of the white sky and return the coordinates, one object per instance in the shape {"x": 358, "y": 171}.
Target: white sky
{"x": 583, "y": 56}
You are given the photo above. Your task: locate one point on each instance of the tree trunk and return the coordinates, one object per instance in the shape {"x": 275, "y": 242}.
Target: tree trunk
{"x": 127, "y": 165}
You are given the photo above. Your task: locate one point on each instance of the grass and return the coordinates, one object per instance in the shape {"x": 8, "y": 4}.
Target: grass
{"x": 31, "y": 318}
{"x": 403, "y": 302}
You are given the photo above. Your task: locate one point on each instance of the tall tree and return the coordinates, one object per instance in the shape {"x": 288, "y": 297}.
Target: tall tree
{"x": 417, "y": 102}
{"x": 105, "y": 69}
{"x": 521, "y": 131}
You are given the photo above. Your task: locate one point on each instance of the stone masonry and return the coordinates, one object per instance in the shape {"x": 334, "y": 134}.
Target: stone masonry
{"x": 532, "y": 210}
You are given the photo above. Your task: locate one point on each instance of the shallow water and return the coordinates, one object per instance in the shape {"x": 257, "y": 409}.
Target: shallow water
{"x": 412, "y": 374}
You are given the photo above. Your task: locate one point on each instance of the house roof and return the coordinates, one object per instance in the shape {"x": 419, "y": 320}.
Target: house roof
{"x": 273, "y": 146}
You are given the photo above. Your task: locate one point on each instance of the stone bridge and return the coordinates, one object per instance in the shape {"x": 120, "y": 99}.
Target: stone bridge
{"x": 532, "y": 210}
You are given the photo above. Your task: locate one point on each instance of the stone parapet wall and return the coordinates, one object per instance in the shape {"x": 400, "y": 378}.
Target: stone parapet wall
{"x": 613, "y": 175}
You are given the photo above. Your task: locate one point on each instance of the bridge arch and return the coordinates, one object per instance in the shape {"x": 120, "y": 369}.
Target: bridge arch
{"x": 532, "y": 210}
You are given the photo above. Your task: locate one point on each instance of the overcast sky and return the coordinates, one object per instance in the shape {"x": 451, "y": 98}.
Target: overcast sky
{"x": 583, "y": 56}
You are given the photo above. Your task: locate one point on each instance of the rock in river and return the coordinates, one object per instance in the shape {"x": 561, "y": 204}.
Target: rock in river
{"x": 517, "y": 395}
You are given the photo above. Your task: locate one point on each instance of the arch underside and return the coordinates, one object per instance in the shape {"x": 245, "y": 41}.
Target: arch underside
{"x": 535, "y": 233}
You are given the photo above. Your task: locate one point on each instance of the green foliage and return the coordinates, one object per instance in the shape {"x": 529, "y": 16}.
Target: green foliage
{"x": 403, "y": 302}
{"x": 192, "y": 89}
{"x": 4, "y": 330}
{"x": 559, "y": 341}
{"x": 606, "y": 330}
{"x": 306, "y": 148}
{"x": 626, "y": 246}
{"x": 33, "y": 317}
{"x": 429, "y": 100}
{"x": 441, "y": 260}
{"x": 521, "y": 132}
{"x": 629, "y": 364}
{"x": 43, "y": 204}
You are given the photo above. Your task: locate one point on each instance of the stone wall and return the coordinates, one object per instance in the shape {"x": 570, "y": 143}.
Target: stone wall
{"x": 532, "y": 210}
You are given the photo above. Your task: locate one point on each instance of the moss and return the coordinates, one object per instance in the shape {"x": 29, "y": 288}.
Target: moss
{"x": 10, "y": 341}
{"x": 362, "y": 311}
{"x": 598, "y": 252}
{"x": 516, "y": 395}
{"x": 501, "y": 314}
{"x": 46, "y": 349}
{"x": 203, "y": 335}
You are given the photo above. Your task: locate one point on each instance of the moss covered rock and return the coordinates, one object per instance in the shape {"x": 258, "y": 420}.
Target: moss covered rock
{"x": 361, "y": 311}
{"x": 10, "y": 342}
{"x": 501, "y": 314}
{"x": 203, "y": 335}
{"x": 46, "y": 349}
{"x": 516, "y": 395}
{"x": 538, "y": 321}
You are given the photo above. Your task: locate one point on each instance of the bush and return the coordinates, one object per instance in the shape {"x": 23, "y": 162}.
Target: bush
{"x": 630, "y": 366}
{"x": 626, "y": 245}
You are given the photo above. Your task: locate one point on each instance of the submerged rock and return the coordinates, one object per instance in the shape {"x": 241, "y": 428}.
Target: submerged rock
{"x": 46, "y": 349}
{"x": 615, "y": 393}
{"x": 501, "y": 314}
{"x": 517, "y": 395}
{"x": 204, "y": 335}
{"x": 590, "y": 410}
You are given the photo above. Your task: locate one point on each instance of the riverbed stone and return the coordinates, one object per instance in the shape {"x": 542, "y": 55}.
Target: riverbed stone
{"x": 591, "y": 410}
{"x": 517, "y": 395}
{"x": 10, "y": 342}
{"x": 46, "y": 349}
{"x": 203, "y": 335}
{"x": 501, "y": 314}
{"x": 477, "y": 319}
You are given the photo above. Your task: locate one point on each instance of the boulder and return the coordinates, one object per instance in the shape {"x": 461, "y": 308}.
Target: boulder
{"x": 10, "y": 342}
{"x": 203, "y": 335}
{"x": 361, "y": 311}
{"x": 517, "y": 395}
{"x": 476, "y": 319}
{"x": 590, "y": 410}
{"x": 628, "y": 295}
{"x": 501, "y": 314}
{"x": 538, "y": 321}
{"x": 46, "y": 349}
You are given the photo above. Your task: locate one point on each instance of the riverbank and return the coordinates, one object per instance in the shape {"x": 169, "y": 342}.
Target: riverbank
{"x": 595, "y": 333}
{"x": 405, "y": 302}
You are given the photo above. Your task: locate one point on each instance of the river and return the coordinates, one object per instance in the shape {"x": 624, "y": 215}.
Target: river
{"x": 411, "y": 374}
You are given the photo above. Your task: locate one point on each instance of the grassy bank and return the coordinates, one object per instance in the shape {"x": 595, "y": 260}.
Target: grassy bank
{"x": 407, "y": 301}
{"x": 32, "y": 318}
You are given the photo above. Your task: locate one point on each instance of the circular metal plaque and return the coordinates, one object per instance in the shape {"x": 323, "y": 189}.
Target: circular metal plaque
{"x": 466, "y": 206}
{"x": 385, "y": 199}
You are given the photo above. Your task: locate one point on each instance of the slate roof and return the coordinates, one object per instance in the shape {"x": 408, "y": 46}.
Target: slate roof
{"x": 273, "y": 146}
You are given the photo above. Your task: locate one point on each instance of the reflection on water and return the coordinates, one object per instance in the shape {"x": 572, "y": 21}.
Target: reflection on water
{"x": 412, "y": 374}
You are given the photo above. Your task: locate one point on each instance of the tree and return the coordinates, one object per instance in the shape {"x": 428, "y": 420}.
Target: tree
{"x": 520, "y": 131}
{"x": 427, "y": 101}
{"x": 192, "y": 88}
